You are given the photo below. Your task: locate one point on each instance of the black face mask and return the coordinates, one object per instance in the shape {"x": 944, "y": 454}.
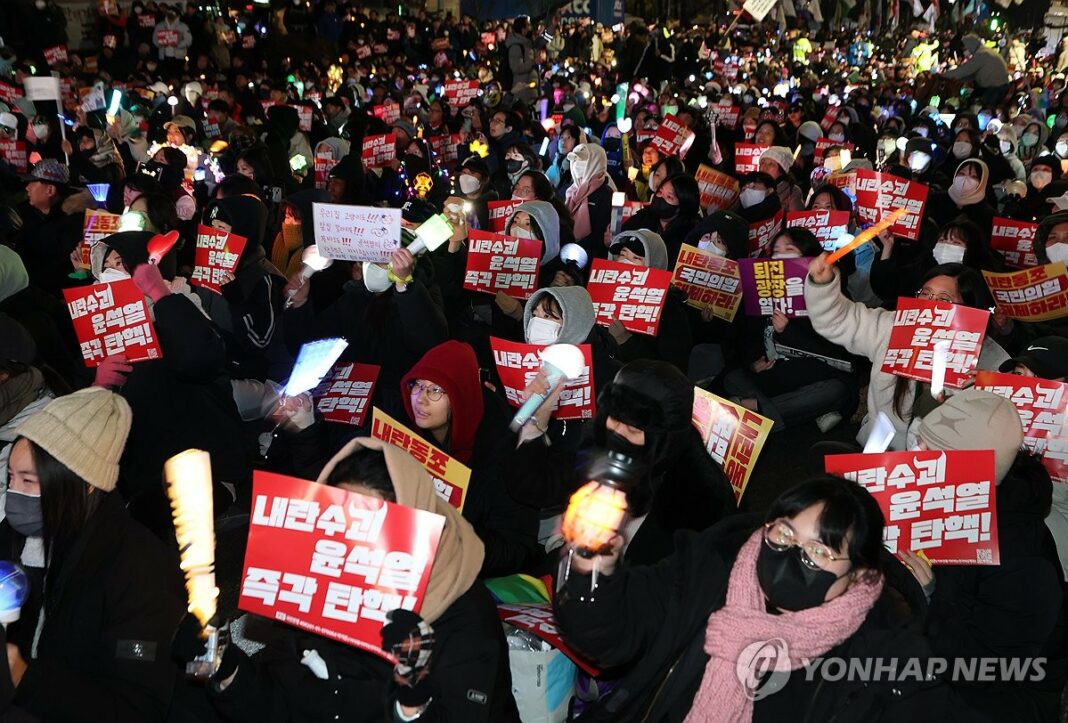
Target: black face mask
{"x": 662, "y": 209}
{"x": 618, "y": 443}
{"x": 788, "y": 583}
{"x": 512, "y": 166}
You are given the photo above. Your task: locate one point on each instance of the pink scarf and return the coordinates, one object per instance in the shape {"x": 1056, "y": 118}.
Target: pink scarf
{"x": 743, "y": 621}
{"x": 580, "y": 210}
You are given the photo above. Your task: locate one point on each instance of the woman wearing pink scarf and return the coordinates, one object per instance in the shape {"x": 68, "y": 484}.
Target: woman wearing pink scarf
{"x": 731, "y": 626}
{"x": 589, "y": 198}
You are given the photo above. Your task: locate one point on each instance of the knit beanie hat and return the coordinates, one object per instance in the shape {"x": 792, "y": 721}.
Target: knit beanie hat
{"x": 972, "y": 419}
{"x": 810, "y": 130}
{"x": 85, "y": 431}
{"x": 781, "y": 156}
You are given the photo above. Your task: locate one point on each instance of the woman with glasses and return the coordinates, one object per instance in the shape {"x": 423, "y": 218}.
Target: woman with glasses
{"x": 723, "y": 628}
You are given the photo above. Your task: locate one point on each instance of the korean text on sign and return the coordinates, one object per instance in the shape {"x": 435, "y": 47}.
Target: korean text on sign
{"x": 334, "y": 562}
{"x": 1035, "y": 294}
{"x": 446, "y": 147}
{"x": 460, "y": 92}
{"x": 632, "y": 294}
{"x": 502, "y": 263}
{"x": 450, "y": 476}
{"x": 379, "y": 151}
{"x": 880, "y": 193}
{"x": 718, "y": 190}
{"x": 324, "y": 163}
{"x": 671, "y": 136}
{"x": 356, "y": 233}
{"x": 711, "y": 282}
{"x": 919, "y": 324}
{"x": 14, "y": 154}
{"x": 539, "y": 620}
{"x": 762, "y": 233}
{"x": 518, "y": 364}
{"x": 747, "y": 157}
{"x": 1015, "y": 241}
{"x": 774, "y": 284}
{"x": 940, "y": 502}
{"x": 732, "y": 435}
{"x": 112, "y": 319}
{"x": 499, "y": 211}
{"x": 828, "y": 226}
{"x": 345, "y": 394}
{"x": 96, "y": 226}
{"x": 217, "y": 254}
{"x": 823, "y": 144}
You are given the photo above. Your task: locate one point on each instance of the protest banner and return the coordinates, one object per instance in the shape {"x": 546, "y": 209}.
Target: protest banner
{"x": 112, "y": 319}
{"x": 880, "y": 193}
{"x": 672, "y": 137}
{"x": 1015, "y": 241}
{"x": 711, "y": 282}
{"x": 762, "y": 233}
{"x": 96, "y": 226}
{"x": 718, "y": 190}
{"x": 539, "y": 620}
{"x": 939, "y": 502}
{"x": 363, "y": 52}
{"x": 919, "y": 324}
{"x": 460, "y": 92}
{"x": 447, "y": 147}
{"x": 499, "y": 212}
{"x": 1039, "y": 293}
{"x": 55, "y": 55}
{"x": 774, "y": 284}
{"x": 518, "y": 364}
{"x": 627, "y": 210}
{"x": 14, "y": 154}
{"x": 633, "y": 294}
{"x": 346, "y": 392}
{"x": 823, "y": 144}
{"x": 502, "y": 263}
{"x": 334, "y": 562}
{"x": 379, "y": 151}
{"x": 217, "y": 253}
{"x": 356, "y": 233}
{"x": 166, "y": 38}
{"x": 732, "y": 435}
{"x": 451, "y": 477}
{"x": 724, "y": 114}
{"x": 747, "y": 157}
{"x": 828, "y": 226}
{"x": 324, "y": 163}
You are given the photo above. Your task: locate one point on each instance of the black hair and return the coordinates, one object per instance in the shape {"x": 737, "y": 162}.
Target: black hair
{"x": 219, "y": 106}
{"x": 528, "y": 153}
{"x": 687, "y": 192}
{"x": 805, "y": 241}
{"x": 673, "y": 165}
{"x": 366, "y": 467}
{"x": 544, "y": 191}
{"x": 143, "y": 183}
{"x": 838, "y": 197}
{"x": 237, "y": 185}
{"x": 261, "y": 163}
{"x": 161, "y": 211}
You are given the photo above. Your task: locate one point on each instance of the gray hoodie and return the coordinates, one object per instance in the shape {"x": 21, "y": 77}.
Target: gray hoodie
{"x": 548, "y": 221}
{"x": 985, "y": 68}
{"x": 656, "y": 255}
{"x": 578, "y": 313}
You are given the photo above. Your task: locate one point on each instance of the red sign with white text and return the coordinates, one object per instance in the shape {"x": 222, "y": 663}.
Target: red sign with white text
{"x": 762, "y": 233}
{"x": 324, "y": 163}
{"x": 14, "y": 153}
{"x": 96, "y": 226}
{"x": 828, "y": 226}
{"x": 112, "y": 319}
{"x": 518, "y": 364}
{"x": 747, "y": 158}
{"x": 539, "y": 620}
{"x": 345, "y": 394}
{"x": 502, "y": 263}
{"x": 217, "y": 254}
{"x": 447, "y": 147}
{"x": 822, "y": 144}
{"x": 379, "y": 151}
{"x": 1015, "y": 241}
{"x": 633, "y": 294}
{"x": 499, "y": 212}
{"x": 725, "y": 115}
{"x": 718, "y": 190}
{"x": 671, "y": 136}
{"x": 55, "y": 54}
{"x": 166, "y": 38}
{"x": 460, "y": 92}
{"x": 919, "y": 324}
{"x": 880, "y": 193}
{"x": 1035, "y": 294}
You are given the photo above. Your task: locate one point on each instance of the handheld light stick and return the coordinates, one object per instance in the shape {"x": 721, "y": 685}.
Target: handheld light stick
{"x": 561, "y": 362}
{"x": 938, "y": 368}
{"x": 160, "y": 245}
{"x": 313, "y": 263}
{"x": 14, "y": 589}
{"x": 431, "y": 234}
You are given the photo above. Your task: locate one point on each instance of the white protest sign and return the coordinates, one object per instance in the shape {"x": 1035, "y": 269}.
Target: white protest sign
{"x": 356, "y": 233}
{"x": 758, "y": 8}
{"x": 42, "y": 88}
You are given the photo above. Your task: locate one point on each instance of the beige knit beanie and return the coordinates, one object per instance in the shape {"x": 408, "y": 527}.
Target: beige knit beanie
{"x": 86, "y": 431}
{"x": 973, "y": 419}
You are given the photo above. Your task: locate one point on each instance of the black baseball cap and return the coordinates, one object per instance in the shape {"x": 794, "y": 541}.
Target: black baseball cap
{"x": 1047, "y": 357}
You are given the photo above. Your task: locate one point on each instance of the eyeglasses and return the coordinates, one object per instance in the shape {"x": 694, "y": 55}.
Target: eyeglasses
{"x": 780, "y": 537}
{"x": 432, "y": 391}
{"x": 926, "y": 293}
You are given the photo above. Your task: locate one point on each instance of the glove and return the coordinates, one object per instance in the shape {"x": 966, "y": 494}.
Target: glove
{"x": 112, "y": 371}
{"x": 409, "y": 639}
{"x": 151, "y": 283}
{"x": 188, "y": 644}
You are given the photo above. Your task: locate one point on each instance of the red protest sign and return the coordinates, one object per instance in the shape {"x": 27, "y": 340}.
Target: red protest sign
{"x": 919, "y": 324}
{"x": 304, "y": 116}
{"x": 346, "y": 393}
{"x": 499, "y": 211}
{"x": 718, "y": 190}
{"x": 460, "y": 92}
{"x": 96, "y": 226}
{"x": 1015, "y": 240}
{"x": 451, "y": 477}
{"x": 747, "y": 157}
{"x": 671, "y": 136}
{"x": 112, "y": 319}
{"x": 828, "y": 226}
{"x": 334, "y": 562}
{"x": 711, "y": 282}
{"x": 9, "y": 93}
{"x": 539, "y": 620}
{"x": 829, "y": 117}
{"x": 725, "y": 115}
{"x": 166, "y": 38}
{"x": 379, "y": 151}
{"x": 447, "y": 147}
{"x": 822, "y": 144}
{"x": 633, "y": 294}
{"x": 502, "y": 263}
{"x": 363, "y": 52}
{"x": 725, "y": 69}
{"x": 324, "y": 163}
{"x": 1035, "y": 294}
{"x": 732, "y": 435}
{"x": 880, "y": 193}
{"x": 762, "y": 233}
{"x": 627, "y": 210}
{"x": 14, "y": 153}
{"x": 217, "y": 253}
{"x": 940, "y": 502}
{"x": 518, "y": 364}
{"x": 55, "y": 54}
{"x": 389, "y": 112}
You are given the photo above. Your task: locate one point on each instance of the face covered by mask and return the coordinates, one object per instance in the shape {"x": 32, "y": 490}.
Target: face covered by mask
{"x": 1041, "y": 179}
{"x": 751, "y": 197}
{"x": 1029, "y": 139}
{"x": 108, "y": 276}
{"x": 965, "y": 185}
{"x": 519, "y": 232}
{"x": 1057, "y": 252}
{"x": 788, "y": 583}
{"x": 24, "y": 514}
{"x": 469, "y": 184}
{"x": 1062, "y": 149}
{"x": 946, "y": 253}
{"x": 918, "y": 162}
{"x": 513, "y": 166}
{"x": 708, "y": 243}
{"x": 375, "y": 278}
{"x": 836, "y": 137}
{"x": 962, "y": 149}
{"x": 41, "y": 131}
{"x": 542, "y": 331}
{"x": 661, "y": 209}
{"x": 578, "y": 167}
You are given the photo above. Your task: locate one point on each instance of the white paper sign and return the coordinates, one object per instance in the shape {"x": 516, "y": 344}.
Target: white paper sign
{"x": 758, "y": 8}
{"x": 357, "y": 233}
{"x": 41, "y": 88}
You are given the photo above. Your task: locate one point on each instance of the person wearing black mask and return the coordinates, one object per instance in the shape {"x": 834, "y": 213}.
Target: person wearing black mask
{"x": 673, "y": 213}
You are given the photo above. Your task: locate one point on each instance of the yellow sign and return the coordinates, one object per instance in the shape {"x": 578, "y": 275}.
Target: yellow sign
{"x": 732, "y": 434}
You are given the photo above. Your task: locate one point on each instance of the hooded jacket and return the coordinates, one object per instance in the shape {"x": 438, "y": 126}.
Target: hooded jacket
{"x": 655, "y": 254}
{"x": 578, "y": 314}
{"x": 548, "y": 220}
{"x": 985, "y": 68}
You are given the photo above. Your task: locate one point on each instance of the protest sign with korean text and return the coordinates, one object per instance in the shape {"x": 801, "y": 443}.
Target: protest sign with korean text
{"x": 460, "y": 92}
{"x": 1014, "y": 240}
{"x": 379, "y": 151}
{"x": 725, "y": 114}
{"x": 356, "y": 233}
{"x": 345, "y": 394}
{"x": 671, "y": 136}
{"x": 500, "y": 211}
{"x": 47, "y": 86}
{"x": 112, "y": 319}
{"x": 718, "y": 190}
{"x": 711, "y": 282}
{"x": 14, "y": 154}
{"x": 774, "y": 284}
{"x": 763, "y": 232}
{"x": 450, "y": 476}
{"x": 919, "y": 324}
{"x": 880, "y": 193}
{"x": 324, "y": 163}
{"x": 518, "y": 364}
{"x": 747, "y": 157}
{"x": 217, "y": 254}
{"x": 732, "y": 435}
{"x": 823, "y": 144}
{"x": 56, "y": 54}
{"x": 758, "y": 8}
{"x": 1039, "y": 293}
{"x": 389, "y": 112}
{"x": 96, "y": 226}
{"x": 166, "y": 38}
{"x": 502, "y": 263}
{"x": 539, "y": 620}
{"x": 633, "y": 294}
{"x": 334, "y": 562}
{"x": 828, "y": 226}
{"x": 939, "y": 502}
{"x": 447, "y": 147}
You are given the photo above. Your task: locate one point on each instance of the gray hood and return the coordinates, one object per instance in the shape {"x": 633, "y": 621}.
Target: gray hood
{"x": 656, "y": 255}
{"x": 13, "y": 276}
{"x": 578, "y": 316}
{"x": 548, "y": 221}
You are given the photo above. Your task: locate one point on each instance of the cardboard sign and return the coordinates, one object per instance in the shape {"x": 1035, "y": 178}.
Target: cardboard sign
{"x": 747, "y": 158}
{"x": 725, "y": 115}
{"x": 1035, "y": 294}
{"x": 502, "y": 263}
{"x": 763, "y": 233}
{"x": 447, "y": 148}
{"x": 518, "y": 364}
{"x": 940, "y": 502}
{"x": 823, "y": 144}
{"x": 345, "y": 394}
{"x": 919, "y": 324}
{"x": 356, "y": 233}
{"x": 828, "y": 226}
{"x": 451, "y": 477}
{"x": 379, "y": 151}
{"x": 633, "y": 294}
{"x": 112, "y": 319}
{"x": 14, "y": 154}
{"x": 333, "y": 562}
{"x": 217, "y": 253}
{"x": 774, "y": 284}
{"x": 500, "y": 212}
{"x": 711, "y": 282}
{"x": 718, "y": 190}
{"x": 55, "y": 54}
{"x": 460, "y": 92}
{"x": 732, "y": 435}
{"x": 671, "y": 137}
{"x": 538, "y": 619}
{"x": 166, "y": 38}
{"x": 324, "y": 163}
{"x": 880, "y": 193}
{"x": 96, "y": 226}
{"x": 1015, "y": 241}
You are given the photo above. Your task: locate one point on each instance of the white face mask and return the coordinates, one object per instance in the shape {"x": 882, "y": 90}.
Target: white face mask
{"x": 1057, "y": 252}
{"x": 1040, "y": 179}
{"x": 786, "y": 255}
{"x": 41, "y": 131}
{"x": 375, "y": 278}
{"x": 468, "y": 183}
{"x": 542, "y": 331}
{"x": 520, "y": 232}
{"x": 962, "y": 149}
{"x": 836, "y": 137}
{"x": 1062, "y": 149}
{"x": 947, "y": 253}
{"x": 708, "y": 244}
{"x": 108, "y": 276}
{"x": 751, "y": 197}
{"x": 1006, "y": 147}
{"x": 918, "y": 161}
{"x": 965, "y": 185}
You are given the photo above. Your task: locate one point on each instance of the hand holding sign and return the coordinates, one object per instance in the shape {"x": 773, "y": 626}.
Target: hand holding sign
{"x": 868, "y": 234}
